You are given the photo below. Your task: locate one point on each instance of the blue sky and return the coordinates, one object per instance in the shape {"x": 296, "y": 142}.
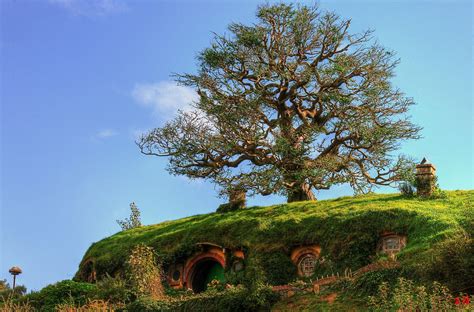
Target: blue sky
{"x": 80, "y": 79}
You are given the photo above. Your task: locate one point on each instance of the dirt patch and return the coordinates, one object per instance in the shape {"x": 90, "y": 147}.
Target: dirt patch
{"x": 329, "y": 298}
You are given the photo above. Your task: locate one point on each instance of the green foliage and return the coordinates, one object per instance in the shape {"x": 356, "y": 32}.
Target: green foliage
{"x": 369, "y": 283}
{"x": 66, "y": 291}
{"x": 113, "y": 290}
{"x": 278, "y": 267}
{"x": 212, "y": 300}
{"x": 407, "y": 189}
{"x": 133, "y": 221}
{"x": 290, "y": 103}
{"x": 143, "y": 272}
{"x": 147, "y": 304}
{"x": 406, "y": 295}
{"x": 233, "y": 299}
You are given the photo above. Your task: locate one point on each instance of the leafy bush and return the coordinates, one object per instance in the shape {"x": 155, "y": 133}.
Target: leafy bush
{"x": 407, "y": 189}
{"x": 134, "y": 220}
{"x": 408, "y": 296}
{"x": 64, "y": 292}
{"x": 231, "y": 299}
{"x": 147, "y": 304}
{"x": 114, "y": 290}
{"x": 143, "y": 272}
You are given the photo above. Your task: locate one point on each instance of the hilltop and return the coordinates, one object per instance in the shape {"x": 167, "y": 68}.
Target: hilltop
{"x": 346, "y": 229}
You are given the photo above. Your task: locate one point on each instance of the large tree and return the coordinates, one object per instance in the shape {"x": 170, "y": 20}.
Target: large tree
{"x": 290, "y": 104}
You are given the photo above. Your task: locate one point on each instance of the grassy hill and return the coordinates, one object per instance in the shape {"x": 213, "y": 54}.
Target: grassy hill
{"x": 346, "y": 228}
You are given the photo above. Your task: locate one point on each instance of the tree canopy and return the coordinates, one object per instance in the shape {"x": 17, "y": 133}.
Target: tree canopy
{"x": 292, "y": 103}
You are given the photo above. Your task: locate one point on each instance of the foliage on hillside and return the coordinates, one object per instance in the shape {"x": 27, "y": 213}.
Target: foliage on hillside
{"x": 347, "y": 229}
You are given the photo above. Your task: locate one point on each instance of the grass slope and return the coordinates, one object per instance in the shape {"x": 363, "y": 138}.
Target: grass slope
{"x": 346, "y": 228}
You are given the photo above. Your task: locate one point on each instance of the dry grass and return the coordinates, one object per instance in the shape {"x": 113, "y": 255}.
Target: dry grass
{"x": 91, "y": 306}
{"x": 10, "y": 306}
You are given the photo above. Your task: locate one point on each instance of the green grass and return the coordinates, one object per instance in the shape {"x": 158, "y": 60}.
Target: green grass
{"x": 346, "y": 228}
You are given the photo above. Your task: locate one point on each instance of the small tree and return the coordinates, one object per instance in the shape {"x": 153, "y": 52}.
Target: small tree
{"x": 133, "y": 221}
{"x": 144, "y": 273}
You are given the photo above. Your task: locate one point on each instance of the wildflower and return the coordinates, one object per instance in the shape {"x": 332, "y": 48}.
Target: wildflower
{"x": 466, "y": 300}
{"x": 457, "y": 301}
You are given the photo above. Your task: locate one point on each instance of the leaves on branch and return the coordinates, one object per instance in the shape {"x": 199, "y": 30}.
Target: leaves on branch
{"x": 294, "y": 100}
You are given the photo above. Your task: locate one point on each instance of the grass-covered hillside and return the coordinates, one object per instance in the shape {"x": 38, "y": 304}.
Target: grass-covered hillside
{"x": 347, "y": 229}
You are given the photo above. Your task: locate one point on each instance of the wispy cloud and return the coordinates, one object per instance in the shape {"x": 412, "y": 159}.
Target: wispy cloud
{"x": 91, "y": 7}
{"x": 106, "y": 133}
{"x": 165, "y": 98}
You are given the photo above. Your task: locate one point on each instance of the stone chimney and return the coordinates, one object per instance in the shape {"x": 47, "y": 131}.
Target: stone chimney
{"x": 425, "y": 178}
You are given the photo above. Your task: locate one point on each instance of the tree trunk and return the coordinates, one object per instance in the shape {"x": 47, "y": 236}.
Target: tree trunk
{"x": 237, "y": 198}
{"x": 300, "y": 193}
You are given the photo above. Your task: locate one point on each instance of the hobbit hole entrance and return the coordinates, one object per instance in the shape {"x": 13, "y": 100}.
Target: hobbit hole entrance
{"x": 204, "y": 272}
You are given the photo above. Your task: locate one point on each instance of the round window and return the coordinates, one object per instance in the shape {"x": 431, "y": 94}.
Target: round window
{"x": 307, "y": 264}
{"x": 176, "y": 275}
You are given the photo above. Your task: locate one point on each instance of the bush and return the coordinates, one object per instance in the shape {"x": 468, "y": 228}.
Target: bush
{"x": 233, "y": 299}
{"x": 407, "y": 189}
{"x": 408, "y": 296}
{"x": 143, "y": 272}
{"x": 64, "y": 292}
{"x": 134, "y": 220}
{"x": 114, "y": 290}
{"x": 147, "y": 304}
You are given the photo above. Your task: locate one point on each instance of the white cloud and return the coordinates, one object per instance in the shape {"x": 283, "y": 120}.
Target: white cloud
{"x": 165, "y": 98}
{"x": 106, "y": 133}
{"x": 91, "y": 7}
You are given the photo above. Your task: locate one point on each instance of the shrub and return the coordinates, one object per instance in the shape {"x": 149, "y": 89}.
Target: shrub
{"x": 408, "y": 296}
{"x": 67, "y": 291}
{"x": 239, "y": 298}
{"x": 113, "y": 290}
{"x": 143, "y": 272}
{"x": 407, "y": 189}
{"x": 147, "y": 304}
{"x": 133, "y": 221}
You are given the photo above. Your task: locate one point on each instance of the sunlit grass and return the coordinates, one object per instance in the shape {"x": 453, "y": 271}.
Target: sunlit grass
{"x": 344, "y": 227}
